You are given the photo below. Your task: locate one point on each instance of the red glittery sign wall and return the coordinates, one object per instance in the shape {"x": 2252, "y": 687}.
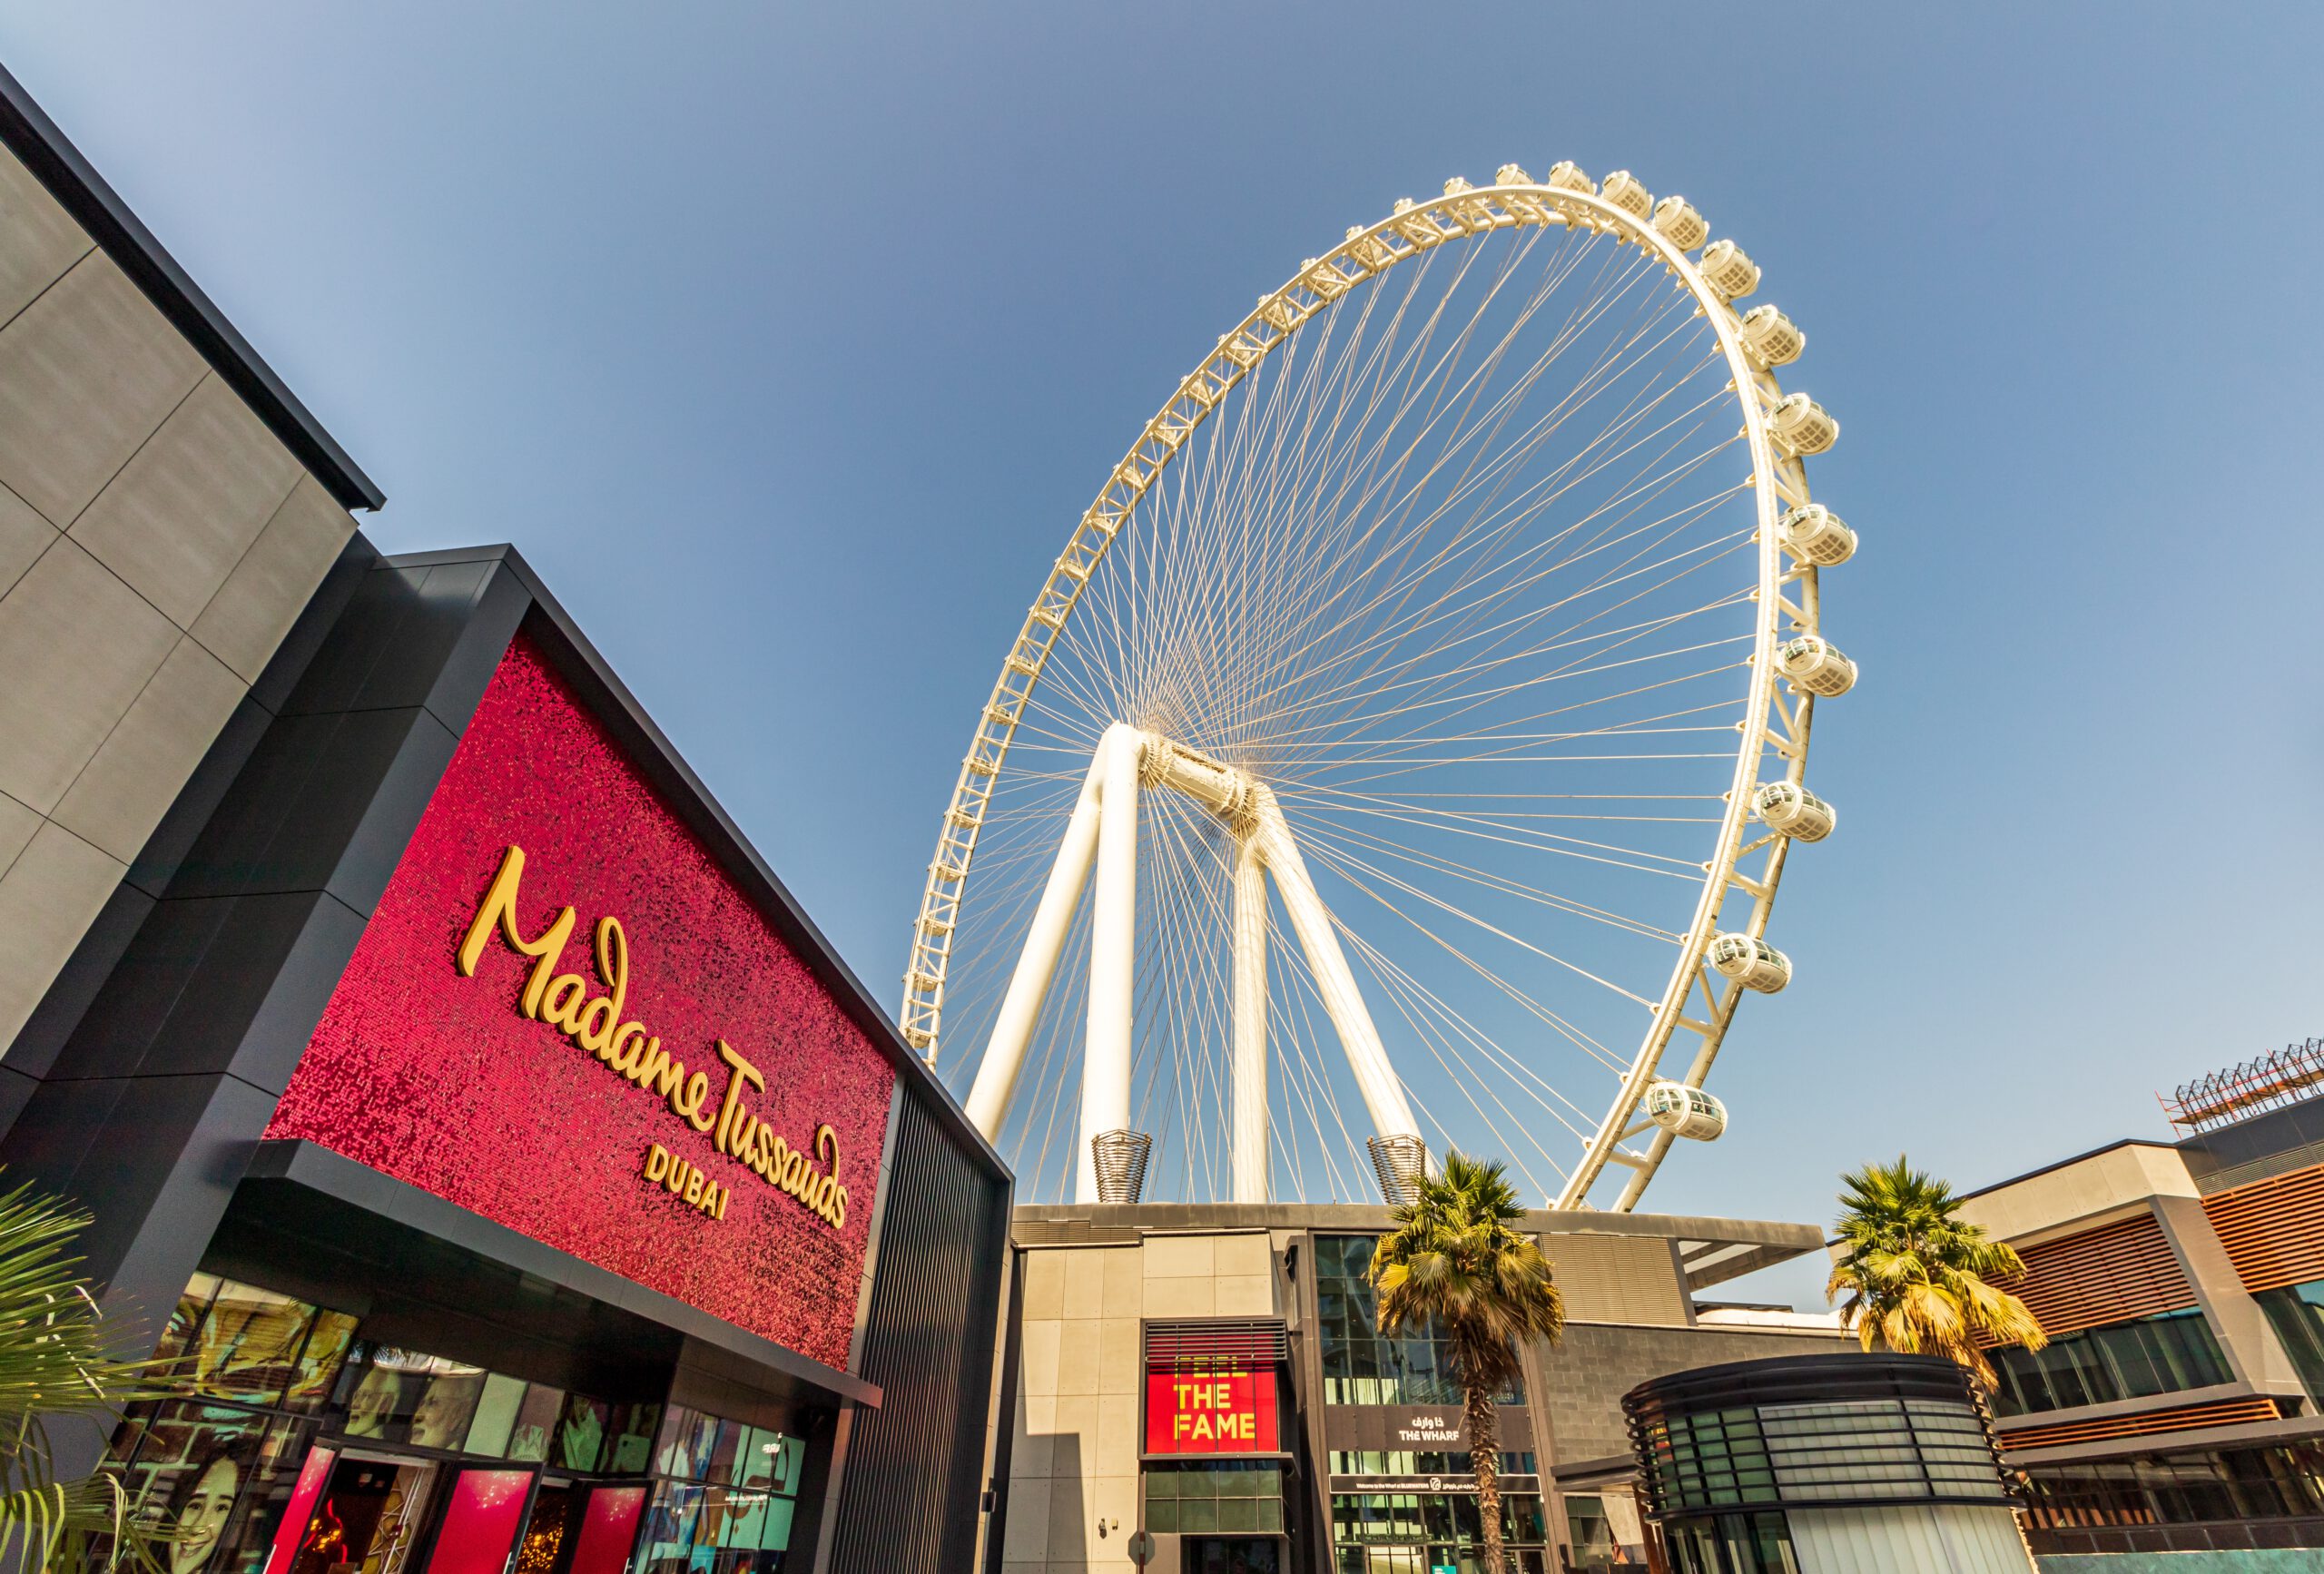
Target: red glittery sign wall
{"x": 443, "y": 1081}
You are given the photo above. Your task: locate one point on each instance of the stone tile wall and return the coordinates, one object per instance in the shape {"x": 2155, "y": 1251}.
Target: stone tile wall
{"x": 1073, "y": 1460}
{"x": 1586, "y": 1374}
{"x": 156, "y": 544}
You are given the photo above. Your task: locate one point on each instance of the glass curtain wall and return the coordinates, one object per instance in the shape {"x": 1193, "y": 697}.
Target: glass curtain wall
{"x": 1387, "y": 1532}
{"x": 1362, "y": 1365}
{"x": 2132, "y": 1360}
{"x": 2296, "y": 1312}
{"x": 1432, "y": 1531}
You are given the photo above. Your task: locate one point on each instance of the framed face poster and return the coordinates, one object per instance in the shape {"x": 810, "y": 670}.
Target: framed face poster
{"x": 191, "y": 1464}
{"x": 396, "y": 1396}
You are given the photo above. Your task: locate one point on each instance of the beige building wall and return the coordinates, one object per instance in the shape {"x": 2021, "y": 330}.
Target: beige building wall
{"x": 2114, "y": 1182}
{"x": 1090, "y": 1275}
{"x": 1073, "y": 1460}
{"x": 156, "y": 543}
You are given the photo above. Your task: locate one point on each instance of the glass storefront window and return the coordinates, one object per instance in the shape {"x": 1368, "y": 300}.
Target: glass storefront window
{"x": 236, "y": 1341}
{"x": 1441, "y": 1529}
{"x": 1215, "y": 1496}
{"x": 1732, "y": 1544}
{"x": 1361, "y": 1364}
{"x": 1593, "y": 1533}
{"x": 2128, "y": 1360}
{"x": 1408, "y": 1462}
{"x": 537, "y": 1412}
{"x": 276, "y": 1375}
{"x": 727, "y": 1499}
{"x": 200, "y": 1470}
{"x": 405, "y": 1396}
{"x": 1606, "y": 1529}
{"x": 2259, "y": 1483}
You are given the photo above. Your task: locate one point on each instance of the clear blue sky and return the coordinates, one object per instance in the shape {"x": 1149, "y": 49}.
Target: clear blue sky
{"x": 788, "y": 342}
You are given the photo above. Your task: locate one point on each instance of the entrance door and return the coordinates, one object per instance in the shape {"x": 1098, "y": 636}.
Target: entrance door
{"x": 549, "y": 1528}
{"x": 482, "y": 1511}
{"x": 577, "y": 1528}
{"x": 1232, "y": 1555}
{"x": 367, "y": 1518}
{"x": 601, "y": 1532}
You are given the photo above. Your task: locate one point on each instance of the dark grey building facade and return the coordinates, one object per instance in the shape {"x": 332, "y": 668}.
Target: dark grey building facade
{"x": 456, "y": 1270}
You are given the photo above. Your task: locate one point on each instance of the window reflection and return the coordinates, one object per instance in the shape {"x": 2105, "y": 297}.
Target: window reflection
{"x": 275, "y": 1375}
{"x": 726, "y": 1499}
{"x": 2128, "y": 1360}
{"x": 1361, "y": 1364}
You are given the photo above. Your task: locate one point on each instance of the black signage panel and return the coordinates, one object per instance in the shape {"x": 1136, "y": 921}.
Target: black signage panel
{"x": 1418, "y": 1428}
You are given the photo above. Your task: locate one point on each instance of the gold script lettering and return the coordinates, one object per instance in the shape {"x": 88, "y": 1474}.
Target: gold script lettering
{"x": 629, "y": 1048}
{"x": 499, "y": 911}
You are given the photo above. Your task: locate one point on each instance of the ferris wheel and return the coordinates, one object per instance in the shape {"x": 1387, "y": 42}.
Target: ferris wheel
{"x": 1405, "y": 749}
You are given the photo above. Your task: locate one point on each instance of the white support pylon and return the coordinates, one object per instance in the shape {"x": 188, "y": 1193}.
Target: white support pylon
{"x": 1113, "y": 929}
{"x": 1249, "y": 1109}
{"x": 1383, "y": 1095}
{"x": 994, "y": 1087}
{"x": 1102, "y": 834}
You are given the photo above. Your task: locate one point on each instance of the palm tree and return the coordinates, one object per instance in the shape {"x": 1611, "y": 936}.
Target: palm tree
{"x": 1919, "y": 1279}
{"x": 1455, "y": 1263}
{"x": 60, "y": 1360}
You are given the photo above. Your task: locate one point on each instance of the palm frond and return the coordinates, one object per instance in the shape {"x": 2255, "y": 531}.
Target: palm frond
{"x": 1918, "y": 1278}
{"x": 61, "y": 1361}
{"x": 1455, "y": 1262}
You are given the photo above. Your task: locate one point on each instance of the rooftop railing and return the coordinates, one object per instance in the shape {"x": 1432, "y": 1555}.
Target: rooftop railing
{"x": 2272, "y": 1080}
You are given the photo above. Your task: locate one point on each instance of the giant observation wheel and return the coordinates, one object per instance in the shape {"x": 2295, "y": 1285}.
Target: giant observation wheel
{"x": 1407, "y": 747}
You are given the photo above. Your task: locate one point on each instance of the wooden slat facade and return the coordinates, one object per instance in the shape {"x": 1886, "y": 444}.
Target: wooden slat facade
{"x": 2186, "y": 1418}
{"x": 2273, "y": 1229}
{"x": 2109, "y": 1274}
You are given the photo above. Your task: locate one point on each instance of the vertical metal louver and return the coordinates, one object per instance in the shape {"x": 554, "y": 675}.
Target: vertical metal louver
{"x": 909, "y": 1501}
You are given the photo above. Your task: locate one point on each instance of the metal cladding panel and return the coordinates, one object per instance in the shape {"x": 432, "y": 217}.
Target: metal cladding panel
{"x": 2273, "y": 1229}
{"x": 1214, "y": 1342}
{"x": 1944, "y": 1538}
{"x": 2108, "y": 1275}
{"x": 1625, "y": 1279}
{"x": 914, "y": 1469}
{"x": 2142, "y": 1423}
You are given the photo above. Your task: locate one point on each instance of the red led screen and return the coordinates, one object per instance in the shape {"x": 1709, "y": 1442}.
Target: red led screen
{"x": 1213, "y": 1414}
{"x": 527, "y": 1117}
